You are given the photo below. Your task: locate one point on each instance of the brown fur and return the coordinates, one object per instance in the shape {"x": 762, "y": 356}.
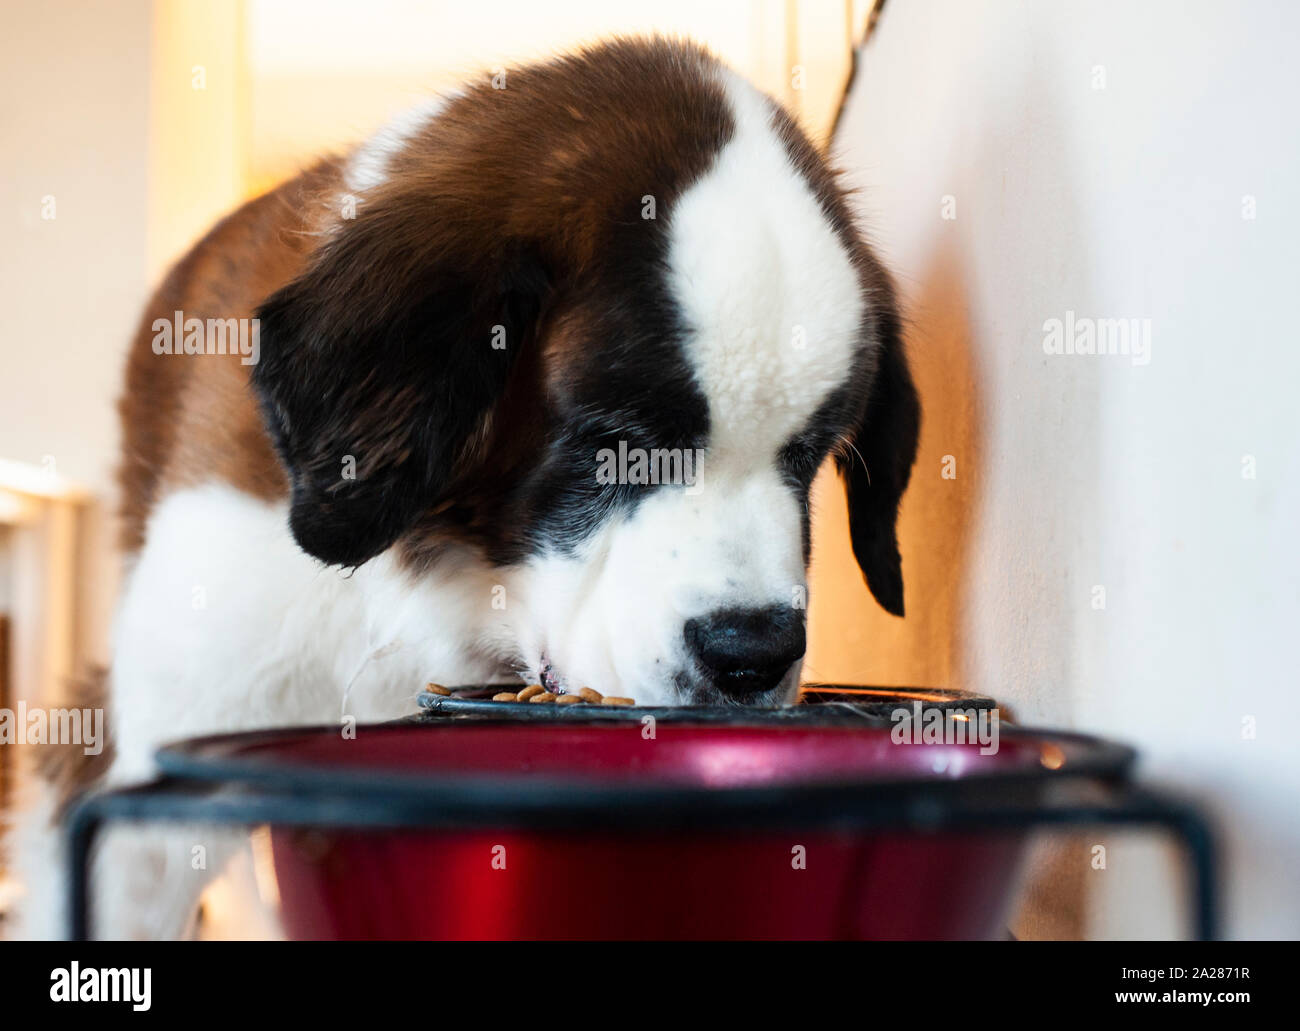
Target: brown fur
{"x": 66, "y": 766}
{"x": 516, "y": 207}
{"x": 554, "y": 164}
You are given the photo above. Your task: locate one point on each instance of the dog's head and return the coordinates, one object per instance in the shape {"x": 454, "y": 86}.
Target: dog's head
{"x": 602, "y": 326}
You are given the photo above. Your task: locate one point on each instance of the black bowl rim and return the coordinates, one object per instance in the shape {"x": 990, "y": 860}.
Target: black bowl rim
{"x": 826, "y": 711}
{"x": 478, "y": 799}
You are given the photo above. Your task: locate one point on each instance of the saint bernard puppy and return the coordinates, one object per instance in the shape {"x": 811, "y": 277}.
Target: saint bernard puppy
{"x": 626, "y": 251}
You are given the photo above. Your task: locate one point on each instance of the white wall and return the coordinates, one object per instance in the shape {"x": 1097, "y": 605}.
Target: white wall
{"x": 74, "y": 127}
{"x": 102, "y": 115}
{"x": 1114, "y": 199}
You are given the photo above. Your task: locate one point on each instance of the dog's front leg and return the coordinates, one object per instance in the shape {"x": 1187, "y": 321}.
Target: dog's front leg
{"x": 147, "y": 881}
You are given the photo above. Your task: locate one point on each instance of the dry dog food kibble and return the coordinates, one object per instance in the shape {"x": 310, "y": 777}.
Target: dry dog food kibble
{"x": 534, "y": 693}
{"x": 538, "y": 693}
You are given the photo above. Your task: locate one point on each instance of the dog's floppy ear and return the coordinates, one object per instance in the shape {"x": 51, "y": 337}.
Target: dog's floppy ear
{"x": 878, "y": 465}
{"x": 380, "y": 365}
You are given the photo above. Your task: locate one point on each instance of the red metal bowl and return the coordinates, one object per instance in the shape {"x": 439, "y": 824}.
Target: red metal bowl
{"x": 500, "y": 830}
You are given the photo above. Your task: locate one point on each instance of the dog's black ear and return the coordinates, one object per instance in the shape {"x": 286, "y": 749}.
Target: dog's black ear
{"x": 380, "y": 366}
{"x": 877, "y": 467}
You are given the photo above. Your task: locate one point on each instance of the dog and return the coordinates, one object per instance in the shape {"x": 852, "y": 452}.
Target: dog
{"x": 489, "y": 342}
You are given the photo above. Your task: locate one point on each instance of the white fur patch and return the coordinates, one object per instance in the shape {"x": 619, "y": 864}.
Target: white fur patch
{"x": 768, "y": 288}
{"x": 226, "y": 624}
{"x": 613, "y": 616}
{"x": 774, "y": 306}
{"x": 368, "y": 165}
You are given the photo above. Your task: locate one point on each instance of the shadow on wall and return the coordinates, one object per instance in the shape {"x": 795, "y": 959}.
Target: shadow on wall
{"x": 985, "y": 238}
{"x": 853, "y": 639}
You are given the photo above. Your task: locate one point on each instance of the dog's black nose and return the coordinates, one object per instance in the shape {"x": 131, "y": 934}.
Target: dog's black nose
{"x": 745, "y": 651}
